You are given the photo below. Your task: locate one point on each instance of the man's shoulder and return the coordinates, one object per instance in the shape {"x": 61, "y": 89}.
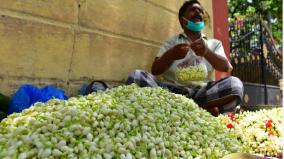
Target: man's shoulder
{"x": 213, "y": 42}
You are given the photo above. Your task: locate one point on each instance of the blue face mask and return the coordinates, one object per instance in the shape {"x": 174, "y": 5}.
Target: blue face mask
{"x": 194, "y": 26}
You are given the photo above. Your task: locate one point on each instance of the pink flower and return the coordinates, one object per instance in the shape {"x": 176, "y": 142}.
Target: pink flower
{"x": 228, "y": 114}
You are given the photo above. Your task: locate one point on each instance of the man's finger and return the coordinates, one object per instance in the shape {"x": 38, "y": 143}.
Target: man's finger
{"x": 186, "y": 47}
{"x": 183, "y": 44}
{"x": 197, "y": 46}
{"x": 196, "y": 42}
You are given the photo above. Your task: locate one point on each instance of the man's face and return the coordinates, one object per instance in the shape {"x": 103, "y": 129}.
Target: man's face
{"x": 194, "y": 13}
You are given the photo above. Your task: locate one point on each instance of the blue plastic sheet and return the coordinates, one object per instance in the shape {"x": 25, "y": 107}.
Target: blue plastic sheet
{"x": 28, "y": 94}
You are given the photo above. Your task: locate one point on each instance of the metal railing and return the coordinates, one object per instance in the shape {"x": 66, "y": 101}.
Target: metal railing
{"x": 254, "y": 55}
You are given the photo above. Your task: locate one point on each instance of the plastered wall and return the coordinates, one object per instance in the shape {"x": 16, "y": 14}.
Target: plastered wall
{"x": 69, "y": 42}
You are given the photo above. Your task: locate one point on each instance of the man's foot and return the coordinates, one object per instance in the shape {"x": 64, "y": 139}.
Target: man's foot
{"x": 214, "y": 111}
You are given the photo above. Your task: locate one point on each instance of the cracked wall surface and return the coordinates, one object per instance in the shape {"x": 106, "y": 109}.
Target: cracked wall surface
{"x": 70, "y": 42}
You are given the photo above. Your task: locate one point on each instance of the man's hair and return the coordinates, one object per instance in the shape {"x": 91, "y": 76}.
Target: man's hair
{"x": 185, "y": 5}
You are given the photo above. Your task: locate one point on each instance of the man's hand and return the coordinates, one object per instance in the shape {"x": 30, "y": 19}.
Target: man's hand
{"x": 199, "y": 47}
{"x": 162, "y": 63}
{"x": 180, "y": 51}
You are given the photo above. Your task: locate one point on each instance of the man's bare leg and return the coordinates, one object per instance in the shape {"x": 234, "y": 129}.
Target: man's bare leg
{"x": 212, "y": 106}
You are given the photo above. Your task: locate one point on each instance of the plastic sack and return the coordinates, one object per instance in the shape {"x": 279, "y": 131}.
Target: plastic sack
{"x": 27, "y": 95}
{"x": 49, "y": 92}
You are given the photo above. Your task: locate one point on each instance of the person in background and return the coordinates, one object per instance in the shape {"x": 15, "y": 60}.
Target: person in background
{"x": 187, "y": 62}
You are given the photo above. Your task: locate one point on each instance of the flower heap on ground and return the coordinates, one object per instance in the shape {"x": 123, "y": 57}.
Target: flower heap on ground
{"x": 260, "y": 131}
{"x": 124, "y": 122}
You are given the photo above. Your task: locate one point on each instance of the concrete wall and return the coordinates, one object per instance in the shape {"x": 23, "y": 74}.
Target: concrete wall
{"x": 69, "y": 42}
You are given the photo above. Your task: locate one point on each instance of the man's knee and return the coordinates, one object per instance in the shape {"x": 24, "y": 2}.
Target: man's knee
{"x": 237, "y": 87}
{"x": 237, "y": 84}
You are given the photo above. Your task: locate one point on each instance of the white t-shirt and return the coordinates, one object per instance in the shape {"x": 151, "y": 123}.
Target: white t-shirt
{"x": 177, "y": 72}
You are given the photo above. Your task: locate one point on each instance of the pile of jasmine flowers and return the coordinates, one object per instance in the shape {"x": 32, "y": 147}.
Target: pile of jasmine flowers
{"x": 125, "y": 122}
{"x": 260, "y": 131}
{"x": 192, "y": 73}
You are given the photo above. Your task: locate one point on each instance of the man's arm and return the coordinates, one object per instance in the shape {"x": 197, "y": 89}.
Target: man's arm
{"x": 218, "y": 62}
{"x": 161, "y": 64}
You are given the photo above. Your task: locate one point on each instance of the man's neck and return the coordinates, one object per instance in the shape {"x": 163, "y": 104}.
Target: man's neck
{"x": 193, "y": 35}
